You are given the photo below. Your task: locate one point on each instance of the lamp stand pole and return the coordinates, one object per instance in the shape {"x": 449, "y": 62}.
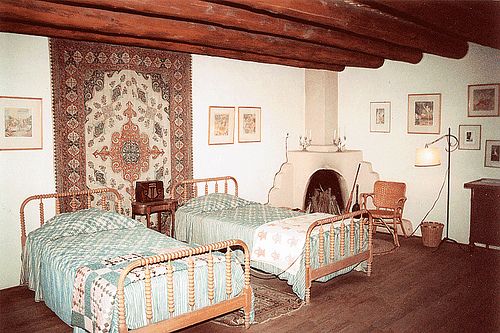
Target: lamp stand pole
{"x": 445, "y": 239}
{"x": 448, "y": 184}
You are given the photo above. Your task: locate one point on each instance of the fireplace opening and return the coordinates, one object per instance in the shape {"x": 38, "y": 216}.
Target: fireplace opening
{"x": 324, "y": 192}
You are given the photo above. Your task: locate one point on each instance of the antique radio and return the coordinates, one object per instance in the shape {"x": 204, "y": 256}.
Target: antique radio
{"x": 147, "y": 191}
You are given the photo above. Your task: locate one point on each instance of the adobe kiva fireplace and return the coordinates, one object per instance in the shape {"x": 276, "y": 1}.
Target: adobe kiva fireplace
{"x": 307, "y": 171}
{"x": 321, "y": 165}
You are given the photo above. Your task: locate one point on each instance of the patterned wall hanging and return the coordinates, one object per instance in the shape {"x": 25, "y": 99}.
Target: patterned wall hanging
{"x": 121, "y": 114}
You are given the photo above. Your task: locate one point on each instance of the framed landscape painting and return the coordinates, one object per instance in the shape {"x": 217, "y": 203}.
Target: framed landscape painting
{"x": 221, "y": 125}
{"x": 469, "y": 137}
{"x": 424, "y": 113}
{"x": 380, "y": 117}
{"x": 492, "y": 154}
{"x": 483, "y": 100}
{"x": 249, "y": 124}
{"x": 20, "y": 123}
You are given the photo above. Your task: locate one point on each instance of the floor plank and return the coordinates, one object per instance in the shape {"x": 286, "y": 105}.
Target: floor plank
{"x": 413, "y": 289}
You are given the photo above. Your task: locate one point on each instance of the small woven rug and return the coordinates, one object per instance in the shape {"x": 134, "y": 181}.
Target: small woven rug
{"x": 269, "y": 304}
{"x": 382, "y": 246}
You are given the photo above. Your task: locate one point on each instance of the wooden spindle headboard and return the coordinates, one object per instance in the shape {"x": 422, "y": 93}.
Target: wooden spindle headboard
{"x": 88, "y": 194}
{"x": 188, "y": 189}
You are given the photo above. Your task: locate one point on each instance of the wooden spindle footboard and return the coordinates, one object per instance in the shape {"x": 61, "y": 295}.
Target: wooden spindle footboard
{"x": 241, "y": 301}
{"x": 353, "y": 255}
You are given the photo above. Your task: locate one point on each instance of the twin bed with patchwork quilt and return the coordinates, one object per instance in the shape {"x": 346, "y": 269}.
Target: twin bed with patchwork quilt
{"x": 295, "y": 246}
{"x": 101, "y": 271}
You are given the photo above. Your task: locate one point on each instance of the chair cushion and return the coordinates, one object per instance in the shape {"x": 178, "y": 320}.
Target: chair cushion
{"x": 382, "y": 213}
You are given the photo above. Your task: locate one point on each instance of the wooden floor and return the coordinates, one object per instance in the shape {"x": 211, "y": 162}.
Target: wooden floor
{"x": 411, "y": 290}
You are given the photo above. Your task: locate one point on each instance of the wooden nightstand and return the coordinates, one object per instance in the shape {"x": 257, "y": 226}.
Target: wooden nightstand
{"x": 147, "y": 208}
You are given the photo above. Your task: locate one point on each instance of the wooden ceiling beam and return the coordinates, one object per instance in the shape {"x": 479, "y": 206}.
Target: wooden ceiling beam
{"x": 452, "y": 17}
{"x": 231, "y": 17}
{"x": 131, "y": 25}
{"x": 30, "y": 29}
{"x": 361, "y": 19}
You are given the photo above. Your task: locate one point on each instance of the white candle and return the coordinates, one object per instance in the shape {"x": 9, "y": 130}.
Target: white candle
{"x": 310, "y": 135}
{"x": 334, "y": 134}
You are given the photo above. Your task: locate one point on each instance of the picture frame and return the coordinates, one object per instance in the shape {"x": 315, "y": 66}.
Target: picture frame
{"x": 424, "y": 113}
{"x": 21, "y": 123}
{"x": 483, "y": 100}
{"x": 469, "y": 137}
{"x": 380, "y": 117}
{"x": 492, "y": 154}
{"x": 249, "y": 124}
{"x": 221, "y": 125}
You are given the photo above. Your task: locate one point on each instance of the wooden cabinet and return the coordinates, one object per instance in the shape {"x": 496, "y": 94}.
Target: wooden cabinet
{"x": 484, "y": 211}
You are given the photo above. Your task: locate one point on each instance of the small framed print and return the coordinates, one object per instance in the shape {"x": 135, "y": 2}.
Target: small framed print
{"x": 249, "y": 124}
{"x": 469, "y": 137}
{"x": 380, "y": 117}
{"x": 221, "y": 125}
{"x": 483, "y": 100}
{"x": 492, "y": 154}
{"x": 424, "y": 113}
{"x": 20, "y": 123}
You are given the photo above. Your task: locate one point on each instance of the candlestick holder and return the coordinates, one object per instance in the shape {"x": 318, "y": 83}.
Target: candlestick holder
{"x": 339, "y": 142}
{"x": 304, "y": 142}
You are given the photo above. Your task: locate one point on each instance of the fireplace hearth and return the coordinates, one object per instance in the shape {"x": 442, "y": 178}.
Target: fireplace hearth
{"x": 297, "y": 180}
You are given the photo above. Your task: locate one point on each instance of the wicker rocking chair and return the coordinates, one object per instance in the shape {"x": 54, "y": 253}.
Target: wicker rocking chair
{"x": 388, "y": 198}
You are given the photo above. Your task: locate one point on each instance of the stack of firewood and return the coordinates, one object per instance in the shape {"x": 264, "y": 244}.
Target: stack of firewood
{"x": 323, "y": 201}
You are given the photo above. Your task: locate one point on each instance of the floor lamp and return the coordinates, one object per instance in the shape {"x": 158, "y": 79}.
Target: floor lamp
{"x": 426, "y": 157}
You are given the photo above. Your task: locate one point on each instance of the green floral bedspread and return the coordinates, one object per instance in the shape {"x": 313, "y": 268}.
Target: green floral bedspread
{"x": 54, "y": 252}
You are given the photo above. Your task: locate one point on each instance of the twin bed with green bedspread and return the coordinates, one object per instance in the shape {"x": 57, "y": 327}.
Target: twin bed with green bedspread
{"x": 217, "y": 216}
{"x": 74, "y": 260}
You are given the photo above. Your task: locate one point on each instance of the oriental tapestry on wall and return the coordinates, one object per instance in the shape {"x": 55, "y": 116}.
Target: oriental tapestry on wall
{"x": 121, "y": 114}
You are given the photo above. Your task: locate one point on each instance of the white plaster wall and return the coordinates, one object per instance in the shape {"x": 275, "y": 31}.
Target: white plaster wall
{"x": 278, "y": 90}
{"x": 24, "y": 72}
{"x": 392, "y": 154}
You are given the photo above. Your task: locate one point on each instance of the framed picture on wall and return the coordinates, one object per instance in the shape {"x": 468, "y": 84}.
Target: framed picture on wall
{"x": 492, "y": 154}
{"x": 221, "y": 125}
{"x": 424, "y": 113}
{"x": 20, "y": 123}
{"x": 249, "y": 122}
{"x": 469, "y": 137}
{"x": 380, "y": 117}
{"x": 483, "y": 100}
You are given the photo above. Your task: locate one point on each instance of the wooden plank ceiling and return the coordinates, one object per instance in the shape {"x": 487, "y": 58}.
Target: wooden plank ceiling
{"x": 320, "y": 34}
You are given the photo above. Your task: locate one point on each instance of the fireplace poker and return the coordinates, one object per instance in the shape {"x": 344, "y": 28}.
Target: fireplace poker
{"x": 348, "y": 204}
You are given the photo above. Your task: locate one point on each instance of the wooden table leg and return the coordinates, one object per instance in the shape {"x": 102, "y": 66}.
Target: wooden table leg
{"x": 159, "y": 222}
{"x": 148, "y": 218}
{"x": 172, "y": 223}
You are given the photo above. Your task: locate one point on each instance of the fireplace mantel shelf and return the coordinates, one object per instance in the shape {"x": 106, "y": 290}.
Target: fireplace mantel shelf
{"x": 324, "y": 152}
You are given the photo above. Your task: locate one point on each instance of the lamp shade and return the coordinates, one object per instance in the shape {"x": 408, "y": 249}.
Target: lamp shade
{"x": 427, "y": 157}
